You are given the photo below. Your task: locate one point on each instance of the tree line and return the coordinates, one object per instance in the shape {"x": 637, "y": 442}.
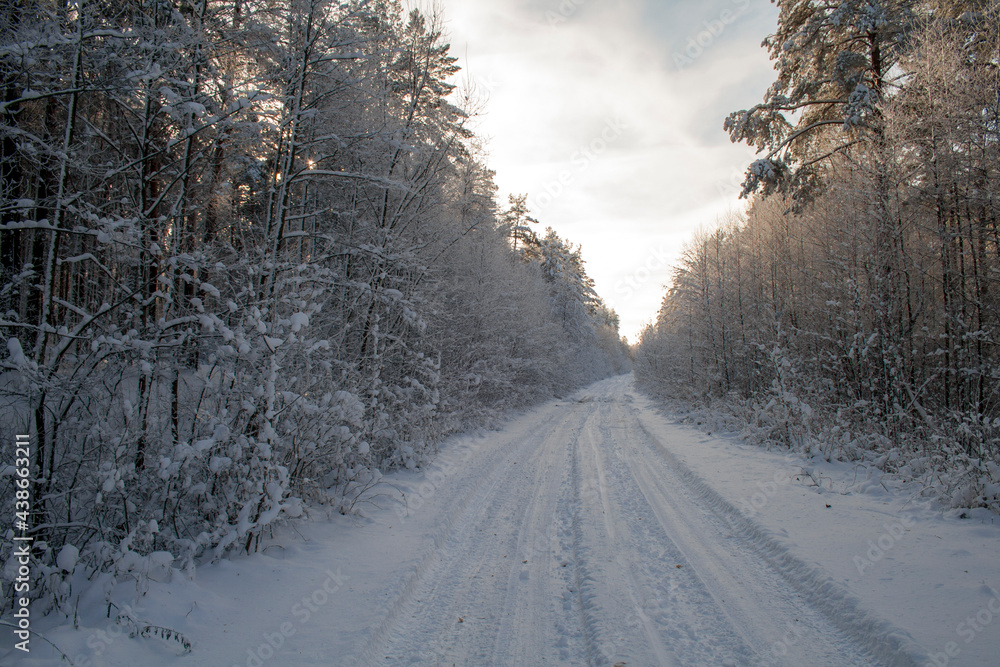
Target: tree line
{"x": 854, "y": 307}
{"x": 250, "y": 257}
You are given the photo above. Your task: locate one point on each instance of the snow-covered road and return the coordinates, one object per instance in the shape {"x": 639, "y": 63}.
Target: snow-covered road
{"x": 591, "y": 530}
{"x": 577, "y": 538}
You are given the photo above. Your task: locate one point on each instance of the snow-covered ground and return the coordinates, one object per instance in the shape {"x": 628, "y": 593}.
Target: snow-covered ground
{"x": 589, "y": 531}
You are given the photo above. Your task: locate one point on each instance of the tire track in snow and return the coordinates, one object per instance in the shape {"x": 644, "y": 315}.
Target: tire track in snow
{"x": 888, "y": 644}
{"x": 619, "y": 644}
{"x": 583, "y": 575}
{"x": 673, "y": 619}
{"x": 462, "y": 575}
{"x": 469, "y": 496}
{"x": 763, "y": 618}
{"x": 575, "y": 537}
{"x": 541, "y": 582}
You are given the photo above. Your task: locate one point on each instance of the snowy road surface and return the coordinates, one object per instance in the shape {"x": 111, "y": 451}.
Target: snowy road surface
{"x": 577, "y": 539}
{"x": 591, "y": 530}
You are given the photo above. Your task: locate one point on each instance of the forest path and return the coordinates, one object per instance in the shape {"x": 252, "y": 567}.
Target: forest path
{"x": 575, "y": 537}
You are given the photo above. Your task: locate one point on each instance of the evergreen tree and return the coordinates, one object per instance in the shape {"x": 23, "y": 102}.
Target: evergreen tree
{"x": 833, "y": 62}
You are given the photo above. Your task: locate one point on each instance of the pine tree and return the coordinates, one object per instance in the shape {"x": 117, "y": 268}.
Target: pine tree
{"x": 833, "y": 62}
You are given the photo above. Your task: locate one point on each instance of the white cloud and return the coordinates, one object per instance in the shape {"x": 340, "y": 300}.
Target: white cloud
{"x": 555, "y": 87}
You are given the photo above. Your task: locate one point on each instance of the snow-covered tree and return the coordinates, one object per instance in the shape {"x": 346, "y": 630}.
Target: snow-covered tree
{"x": 862, "y": 321}
{"x": 251, "y": 258}
{"x": 834, "y": 62}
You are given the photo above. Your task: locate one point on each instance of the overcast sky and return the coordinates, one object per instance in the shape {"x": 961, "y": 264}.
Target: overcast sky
{"x": 608, "y": 114}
